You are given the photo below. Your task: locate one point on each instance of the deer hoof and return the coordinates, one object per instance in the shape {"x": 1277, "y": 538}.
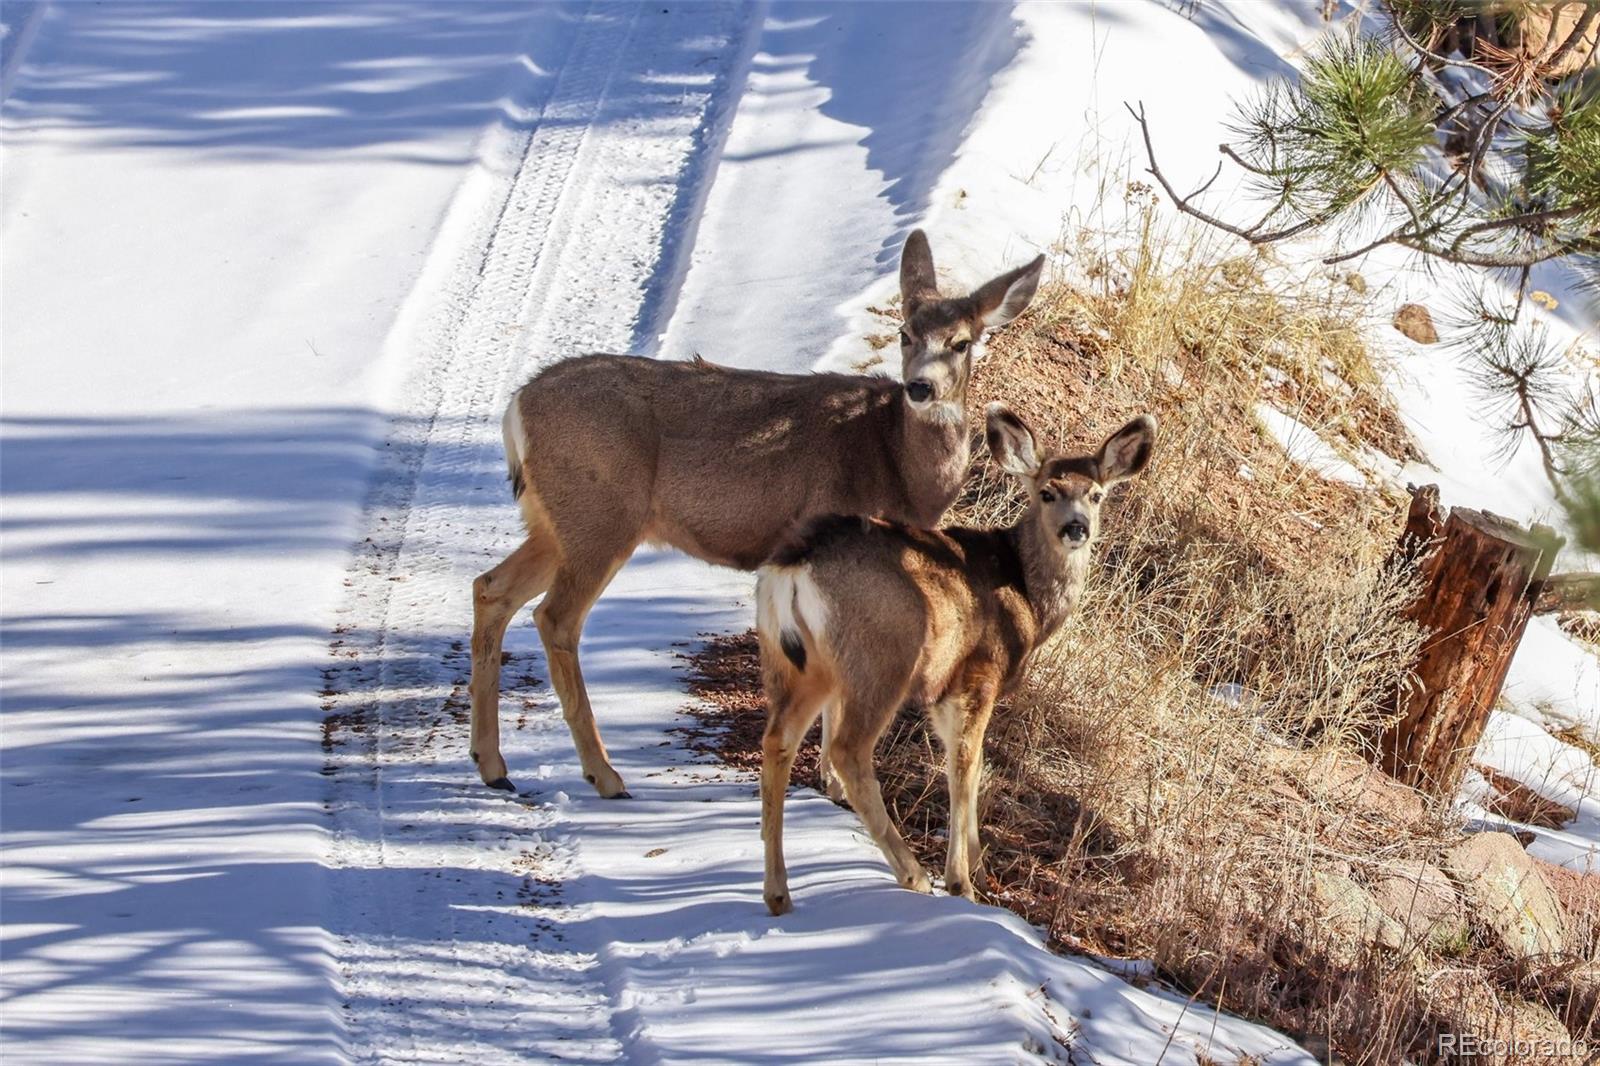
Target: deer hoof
{"x": 503, "y": 784}
{"x": 608, "y": 783}
{"x": 779, "y": 903}
{"x": 492, "y": 768}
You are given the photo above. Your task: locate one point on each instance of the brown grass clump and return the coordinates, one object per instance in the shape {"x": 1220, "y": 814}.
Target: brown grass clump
{"x": 1181, "y": 778}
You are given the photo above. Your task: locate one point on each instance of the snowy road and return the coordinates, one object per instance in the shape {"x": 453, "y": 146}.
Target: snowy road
{"x": 336, "y": 232}
{"x": 460, "y": 940}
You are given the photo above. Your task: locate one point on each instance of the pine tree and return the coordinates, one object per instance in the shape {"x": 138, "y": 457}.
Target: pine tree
{"x": 1467, "y": 131}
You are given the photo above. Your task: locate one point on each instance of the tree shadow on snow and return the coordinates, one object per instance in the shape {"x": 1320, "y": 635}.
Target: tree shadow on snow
{"x": 273, "y": 80}
{"x": 913, "y": 75}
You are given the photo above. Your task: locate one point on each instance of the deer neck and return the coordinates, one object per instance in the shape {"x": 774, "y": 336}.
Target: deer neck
{"x": 932, "y": 456}
{"x": 1053, "y": 578}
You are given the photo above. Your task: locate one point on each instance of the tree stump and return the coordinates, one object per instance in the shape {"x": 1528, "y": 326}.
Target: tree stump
{"x": 1480, "y": 576}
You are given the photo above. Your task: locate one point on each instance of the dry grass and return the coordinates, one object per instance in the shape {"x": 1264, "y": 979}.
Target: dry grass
{"x": 1580, "y": 740}
{"x": 1184, "y": 765}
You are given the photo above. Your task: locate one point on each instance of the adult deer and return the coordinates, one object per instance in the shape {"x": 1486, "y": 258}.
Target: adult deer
{"x": 858, "y": 618}
{"x": 609, "y": 451}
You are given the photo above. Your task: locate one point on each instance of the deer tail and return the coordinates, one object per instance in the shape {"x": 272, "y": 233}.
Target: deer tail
{"x": 790, "y": 611}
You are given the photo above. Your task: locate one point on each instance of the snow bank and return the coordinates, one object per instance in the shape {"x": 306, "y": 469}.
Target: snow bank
{"x": 213, "y": 217}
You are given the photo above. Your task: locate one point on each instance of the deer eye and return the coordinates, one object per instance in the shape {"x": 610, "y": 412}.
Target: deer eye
{"x": 1096, "y": 496}
{"x": 961, "y": 346}
{"x": 1047, "y": 496}
{"x": 905, "y": 338}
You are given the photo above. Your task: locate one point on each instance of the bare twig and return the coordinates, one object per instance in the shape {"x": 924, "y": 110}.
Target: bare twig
{"x": 1450, "y": 112}
{"x": 1526, "y": 220}
{"x": 1252, "y": 234}
{"x": 1428, "y": 53}
{"x": 1242, "y": 163}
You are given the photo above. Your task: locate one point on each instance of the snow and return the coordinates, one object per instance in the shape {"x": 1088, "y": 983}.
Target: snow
{"x": 1301, "y": 443}
{"x": 269, "y": 273}
{"x": 851, "y": 114}
{"x": 195, "y": 340}
{"x": 1521, "y": 749}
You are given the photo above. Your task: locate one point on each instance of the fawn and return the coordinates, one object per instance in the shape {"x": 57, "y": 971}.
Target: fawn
{"x": 858, "y": 617}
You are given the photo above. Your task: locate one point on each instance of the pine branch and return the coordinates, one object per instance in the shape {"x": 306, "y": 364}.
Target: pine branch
{"x": 1568, "y": 592}
{"x": 1527, "y": 220}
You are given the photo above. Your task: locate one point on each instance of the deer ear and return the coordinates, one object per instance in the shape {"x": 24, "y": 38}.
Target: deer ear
{"x": 1006, "y": 297}
{"x": 1127, "y": 451}
{"x": 917, "y": 281}
{"x": 1010, "y": 441}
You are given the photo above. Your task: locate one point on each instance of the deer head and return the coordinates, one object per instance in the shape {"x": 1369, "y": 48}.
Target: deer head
{"x": 941, "y": 335}
{"x": 1065, "y": 491}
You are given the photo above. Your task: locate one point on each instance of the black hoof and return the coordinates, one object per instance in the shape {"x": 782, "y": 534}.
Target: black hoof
{"x": 503, "y": 784}
{"x": 623, "y": 795}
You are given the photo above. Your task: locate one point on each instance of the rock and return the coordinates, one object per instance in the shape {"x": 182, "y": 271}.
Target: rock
{"x": 1478, "y": 1025}
{"x": 1579, "y": 896}
{"x": 1353, "y": 917}
{"x": 1415, "y": 322}
{"x": 1505, "y": 891}
{"x": 1576, "y": 989}
{"x": 1424, "y": 901}
{"x": 1346, "y": 780}
{"x": 1342, "y": 782}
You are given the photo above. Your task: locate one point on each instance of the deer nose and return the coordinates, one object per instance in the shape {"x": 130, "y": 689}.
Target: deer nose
{"x": 1075, "y": 531}
{"x": 919, "y": 390}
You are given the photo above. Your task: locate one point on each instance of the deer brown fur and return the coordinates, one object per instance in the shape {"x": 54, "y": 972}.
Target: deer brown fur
{"x": 609, "y": 451}
{"x": 858, "y": 618}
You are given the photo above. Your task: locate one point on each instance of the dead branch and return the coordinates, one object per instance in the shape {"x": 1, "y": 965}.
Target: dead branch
{"x": 1568, "y": 592}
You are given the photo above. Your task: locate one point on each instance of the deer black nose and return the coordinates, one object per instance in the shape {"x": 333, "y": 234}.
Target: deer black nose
{"x": 1075, "y": 531}
{"x": 919, "y": 391}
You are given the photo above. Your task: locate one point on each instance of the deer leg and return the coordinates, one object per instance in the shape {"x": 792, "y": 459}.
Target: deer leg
{"x": 948, "y": 719}
{"x": 827, "y": 776}
{"x": 497, "y": 595}
{"x": 560, "y": 619}
{"x": 788, "y": 721}
{"x": 964, "y": 762}
{"x": 854, "y": 738}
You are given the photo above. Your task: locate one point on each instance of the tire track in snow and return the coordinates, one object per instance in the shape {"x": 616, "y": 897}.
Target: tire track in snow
{"x": 445, "y": 897}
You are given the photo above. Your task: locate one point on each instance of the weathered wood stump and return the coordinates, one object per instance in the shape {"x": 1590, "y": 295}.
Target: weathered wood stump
{"x": 1480, "y": 576}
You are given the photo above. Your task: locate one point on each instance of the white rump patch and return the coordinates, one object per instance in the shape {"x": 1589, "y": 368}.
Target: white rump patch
{"x": 789, "y": 601}
{"x": 511, "y": 432}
